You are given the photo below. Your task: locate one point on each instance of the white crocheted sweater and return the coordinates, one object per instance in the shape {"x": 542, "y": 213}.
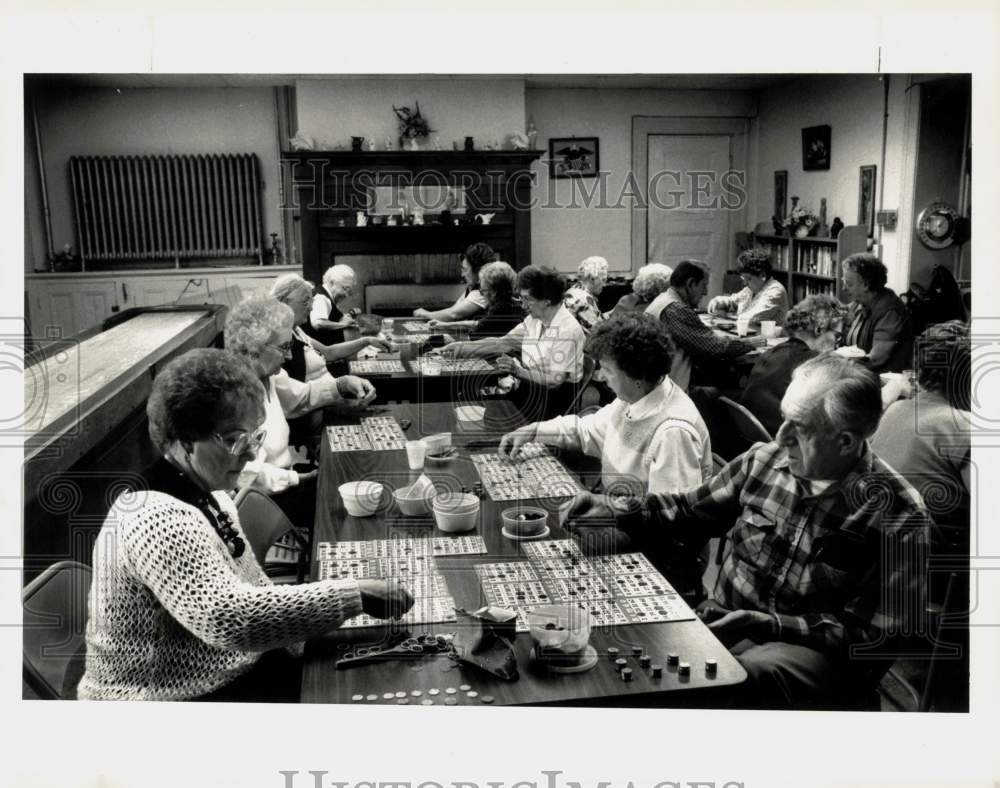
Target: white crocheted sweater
{"x": 173, "y": 616}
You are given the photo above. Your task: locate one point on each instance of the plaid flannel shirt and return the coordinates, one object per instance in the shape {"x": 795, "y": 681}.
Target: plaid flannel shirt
{"x": 841, "y": 568}
{"x": 698, "y": 340}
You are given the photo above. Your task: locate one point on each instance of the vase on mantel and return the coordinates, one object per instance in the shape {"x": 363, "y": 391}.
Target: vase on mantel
{"x": 801, "y": 231}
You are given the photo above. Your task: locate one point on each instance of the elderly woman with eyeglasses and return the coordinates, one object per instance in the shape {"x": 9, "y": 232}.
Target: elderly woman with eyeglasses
{"x": 310, "y": 357}
{"x": 497, "y": 283}
{"x": 762, "y": 297}
{"x": 180, "y": 609}
{"x": 472, "y": 302}
{"x": 581, "y": 298}
{"x": 260, "y": 330}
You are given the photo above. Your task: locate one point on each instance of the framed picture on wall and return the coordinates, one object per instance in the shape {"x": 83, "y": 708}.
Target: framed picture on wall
{"x": 816, "y": 148}
{"x": 573, "y": 157}
{"x": 780, "y": 194}
{"x": 866, "y": 197}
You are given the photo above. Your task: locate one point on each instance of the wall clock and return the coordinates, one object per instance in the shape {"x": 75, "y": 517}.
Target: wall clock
{"x": 936, "y": 225}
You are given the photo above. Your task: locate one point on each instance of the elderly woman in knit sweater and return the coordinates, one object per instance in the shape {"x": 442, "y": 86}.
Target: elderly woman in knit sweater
{"x": 651, "y": 438}
{"x": 179, "y": 608}
{"x": 762, "y": 296}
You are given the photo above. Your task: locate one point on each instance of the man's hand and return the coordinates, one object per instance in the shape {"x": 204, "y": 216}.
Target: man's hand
{"x": 511, "y": 443}
{"x": 347, "y": 321}
{"x": 716, "y": 306}
{"x": 433, "y": 323}
{"x": 737, "y": 625}
{"x": 358, "y": 390}
{"x": 588, "y": 509}
{"x": 511, "y": 365}
{"x": 384, "y": 598}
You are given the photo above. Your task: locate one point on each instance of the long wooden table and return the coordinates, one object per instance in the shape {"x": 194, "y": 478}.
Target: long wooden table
{"x": 323, "y": 683}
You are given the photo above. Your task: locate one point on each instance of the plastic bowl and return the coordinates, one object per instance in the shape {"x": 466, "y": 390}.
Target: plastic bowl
{"x": 469, "y": 416}
{"x": 456, "y": 512}
{"x": 442, "y": 455}
{"x": 413, "y": 506}
{"x": 524, "y": 520}
{"x": 437, "y": 443}
{"x": 361, "y": 499}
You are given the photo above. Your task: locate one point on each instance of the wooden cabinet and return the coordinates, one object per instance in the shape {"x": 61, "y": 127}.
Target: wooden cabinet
{"x": 809, "y": 266}
{"x": 62, "y": 305}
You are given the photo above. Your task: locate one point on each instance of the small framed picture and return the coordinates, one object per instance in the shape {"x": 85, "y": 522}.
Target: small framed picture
{"x": 866, "y": 197}
{"x": 780, "y": 194}
{"x": 816, "y": 148}
{"x": 573, "y": 157}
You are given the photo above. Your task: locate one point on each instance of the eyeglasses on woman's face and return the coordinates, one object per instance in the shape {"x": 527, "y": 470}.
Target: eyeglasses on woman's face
{"x": 240, "y": 442}
{"x": 284, "y": 349}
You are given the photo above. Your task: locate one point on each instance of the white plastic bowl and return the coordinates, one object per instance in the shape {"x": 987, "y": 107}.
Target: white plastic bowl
{"x": 524, "y": 520}
{"x": 456, "y": 512}
{"x": 437, "y": 443}
{"x": 413, "y": 506}
{"x": 361, "y": 499}
{"x": 469, "y": 415}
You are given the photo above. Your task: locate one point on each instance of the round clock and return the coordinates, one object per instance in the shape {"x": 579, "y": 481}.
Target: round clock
{"x": 936, "y": 225}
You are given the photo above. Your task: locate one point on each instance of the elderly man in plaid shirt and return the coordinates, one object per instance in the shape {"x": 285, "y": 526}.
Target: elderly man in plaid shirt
{"x": 827, "y": 565}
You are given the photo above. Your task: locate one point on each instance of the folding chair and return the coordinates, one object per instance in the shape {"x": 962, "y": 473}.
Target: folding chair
{"x": 270, "y": 532}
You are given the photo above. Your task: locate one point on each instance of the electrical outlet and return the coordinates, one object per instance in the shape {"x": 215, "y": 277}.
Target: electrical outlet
{"x": 886, "y": 219}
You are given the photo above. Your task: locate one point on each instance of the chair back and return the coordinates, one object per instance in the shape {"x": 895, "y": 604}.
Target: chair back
{"x": 264, "y": 524}
{"x": 743, "y": 428}
{"x": 55, "y": 621}
{"x": 589, "y": 365}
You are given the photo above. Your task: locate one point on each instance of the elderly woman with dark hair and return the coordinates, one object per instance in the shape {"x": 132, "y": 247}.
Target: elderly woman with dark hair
{"x": 877, "y": 322}
{"x": 812, "y": 326}
{"x": 651, "y": 438}
{"x": 179, "y": 608}
{"x": 497, "y": 283}
{"x": 260, "y": 330}
{"x": 472, "y": 302}
{"x": 650, "y": 281}
{"x": 762, "y": 298}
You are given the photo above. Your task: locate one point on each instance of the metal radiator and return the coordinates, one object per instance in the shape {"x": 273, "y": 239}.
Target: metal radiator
{"x": 136, "y": 208}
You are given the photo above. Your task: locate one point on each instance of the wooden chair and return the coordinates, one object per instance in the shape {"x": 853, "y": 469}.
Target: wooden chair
{"x": 269, "y": 531}
{"x": 55, "y": 619}
{"x": 589, "y": 366}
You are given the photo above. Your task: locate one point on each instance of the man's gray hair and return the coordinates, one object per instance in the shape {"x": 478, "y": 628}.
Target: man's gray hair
{"x": 287, "y": 286}
{"x": 337, "y": 273}
{"x": 847, "y": 396}
{"x": 251, "y": 323}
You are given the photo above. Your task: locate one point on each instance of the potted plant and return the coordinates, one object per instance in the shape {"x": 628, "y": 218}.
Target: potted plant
{"x": 801, "y": 221}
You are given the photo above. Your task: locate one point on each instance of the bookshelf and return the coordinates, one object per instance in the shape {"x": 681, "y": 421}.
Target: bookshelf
{"x": 809, "y": 266}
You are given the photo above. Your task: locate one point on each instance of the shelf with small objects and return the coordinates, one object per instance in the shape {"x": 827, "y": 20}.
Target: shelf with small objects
{"x": 810, "y": 265}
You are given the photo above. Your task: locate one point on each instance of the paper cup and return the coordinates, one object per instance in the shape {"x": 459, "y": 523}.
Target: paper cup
{"x": 768, "y": 329}
{"x": 361, "y": 499}
{"x": 415, "y": 451}
{"x": 742, "y": 327}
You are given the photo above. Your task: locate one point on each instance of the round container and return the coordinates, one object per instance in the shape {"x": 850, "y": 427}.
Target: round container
{"x": 414, "y": 506}
{"x": 559, "y": 630}
{"x": 524, "y": 521}
{"x": 415, "y": 451}
{"x": 441, "y": 456}
{"x": 470, "y": 414}
{"x": 361, "y": 499}
{"x": 742, "y": 326}
{"x": 438, "y": 443}
{"x": 456, "y": 512}
{"x": 431, "y": 367}
{"x": 768, "y": 329}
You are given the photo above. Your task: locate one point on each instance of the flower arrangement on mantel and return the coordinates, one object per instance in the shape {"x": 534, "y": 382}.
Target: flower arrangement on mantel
{"x": 801, "y": 221}
{"x": 412, "y": 127}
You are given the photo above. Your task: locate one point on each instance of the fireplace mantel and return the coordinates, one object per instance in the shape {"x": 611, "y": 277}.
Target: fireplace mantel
{"x": 331, "y": 186}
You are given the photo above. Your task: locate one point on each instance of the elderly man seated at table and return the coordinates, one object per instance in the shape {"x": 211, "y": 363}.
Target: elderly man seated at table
{"x": 472, "y": 302}
{"x": 326, "y": 322}
{"x": 762, "y": 297}
{"x": 497, "y": 283}
{"x": 651, "y": 438}
{"x": 877, "y": 320}
{"x": 826, "y": 568}
{"x": 650, "y": 281}
{"x": 550, "y": 343}
{"x": 180, "y": 609}
{"x": 259, "y": 330}
{"x": 698, "y": 346}
{"x": 310, "y": 357}
{"x": 812, "y": 327}
{"x": 581, "y": 298}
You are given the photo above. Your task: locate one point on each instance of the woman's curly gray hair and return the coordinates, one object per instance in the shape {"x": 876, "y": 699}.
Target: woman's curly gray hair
{"x": 497, "y": 281}
{"x": 251, "y": 323}
{"x": 815, "y": 315}
{"x": 286, "y": 287}
{"x": 593, "y": 269}
{"x": 195, "y": 393}
{"x": 651, "y": 280}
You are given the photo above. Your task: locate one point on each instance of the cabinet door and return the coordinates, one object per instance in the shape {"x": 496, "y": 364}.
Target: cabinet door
{"x": 62, "y": 309}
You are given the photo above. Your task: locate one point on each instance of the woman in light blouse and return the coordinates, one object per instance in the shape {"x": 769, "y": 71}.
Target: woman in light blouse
{"x": 762, "y": 298}
{"x": 472, "y": 302}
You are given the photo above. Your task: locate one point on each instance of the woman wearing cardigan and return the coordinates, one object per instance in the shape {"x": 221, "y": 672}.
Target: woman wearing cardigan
{"x": 179, "y": 608}
{"x": 877, "y": 321}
